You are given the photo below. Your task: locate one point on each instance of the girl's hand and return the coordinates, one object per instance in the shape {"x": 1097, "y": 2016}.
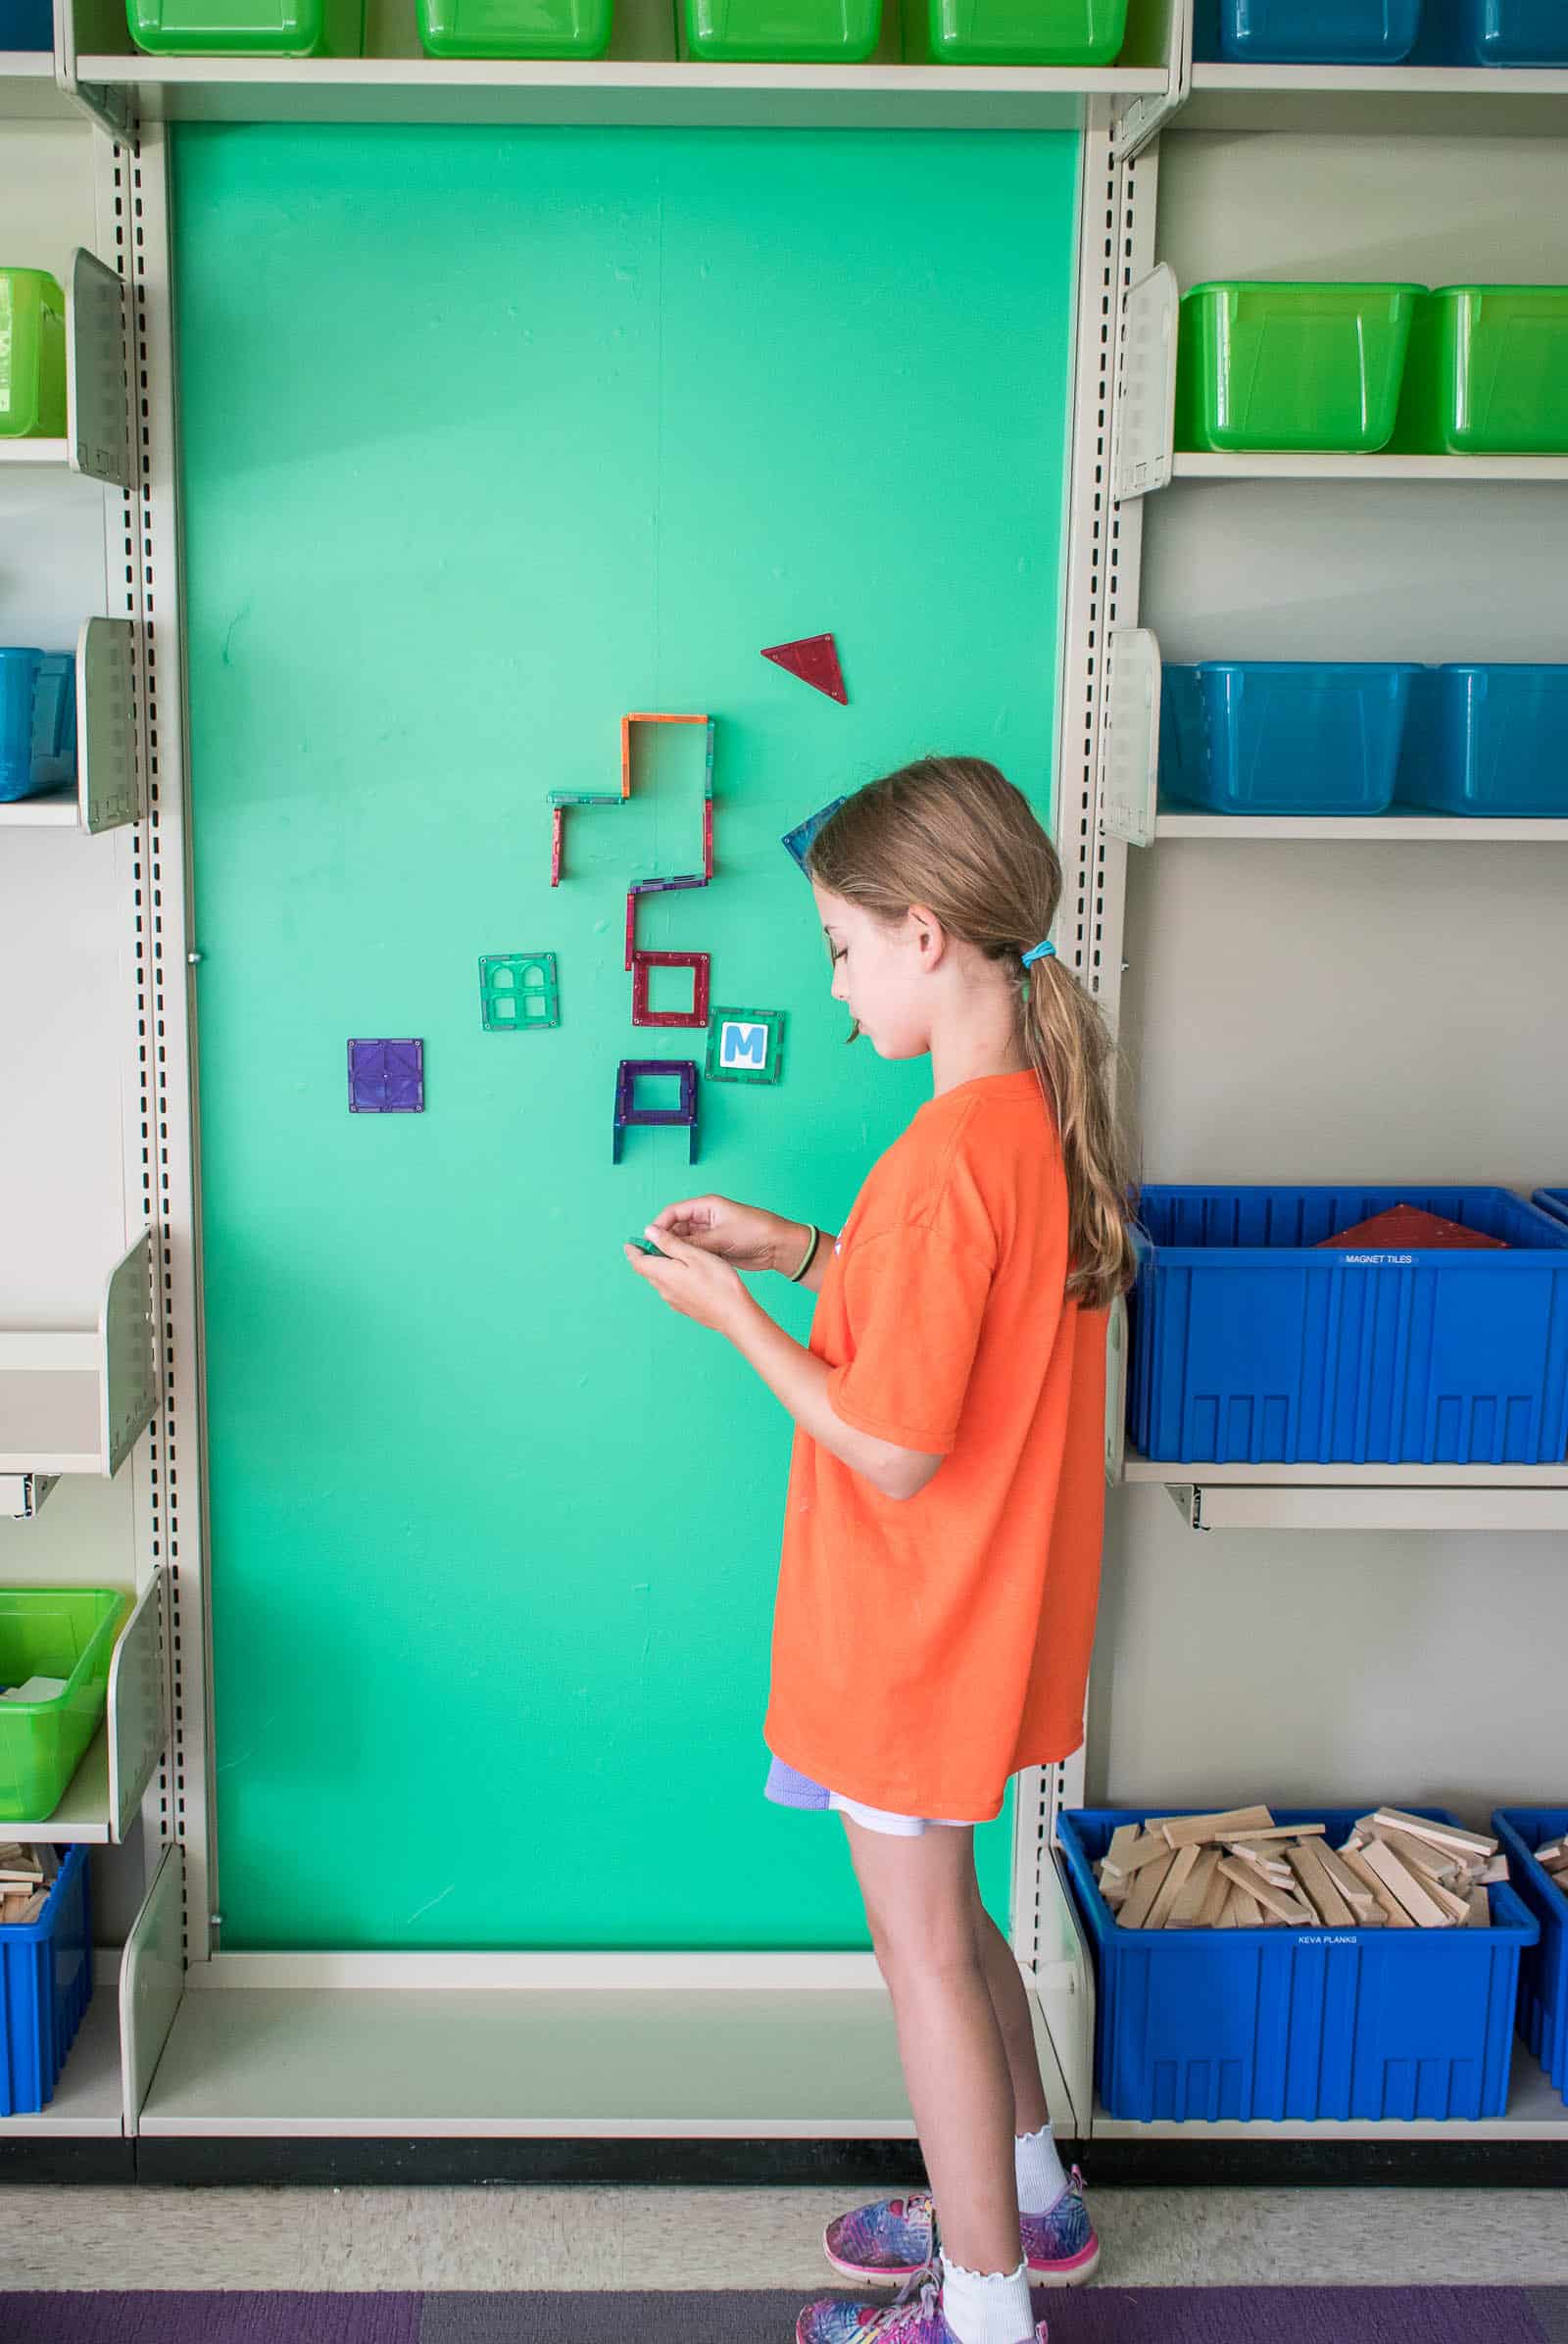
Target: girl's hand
{"x": 693, "y": 1282}
{"x": 742, "y": 1233}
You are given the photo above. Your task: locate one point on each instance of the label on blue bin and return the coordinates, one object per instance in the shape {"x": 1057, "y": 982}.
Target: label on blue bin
{"x": 1379, "y": 1261}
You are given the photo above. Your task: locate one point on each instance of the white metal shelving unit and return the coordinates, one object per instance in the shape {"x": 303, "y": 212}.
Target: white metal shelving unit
{"x": 1343, "y": 999}
{"x": 1377, "y": 101}
{"x": 1456, "y": 471}
{"x": 300, "y": 2045}
{"x": 647, "y": 81}
{"x": 206, "y": 2044}
{"x": 1408, "y": 828}
{"x": 82, "y": 1262}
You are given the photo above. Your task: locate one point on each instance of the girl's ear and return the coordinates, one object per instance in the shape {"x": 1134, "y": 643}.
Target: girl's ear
{"x": 929, "y": 934}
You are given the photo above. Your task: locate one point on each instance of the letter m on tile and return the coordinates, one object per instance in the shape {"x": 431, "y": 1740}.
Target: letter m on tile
{"x": 745, "y": 1046}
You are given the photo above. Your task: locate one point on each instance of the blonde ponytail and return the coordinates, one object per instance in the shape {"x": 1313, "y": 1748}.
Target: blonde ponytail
{"x": 1070, "y": 1050}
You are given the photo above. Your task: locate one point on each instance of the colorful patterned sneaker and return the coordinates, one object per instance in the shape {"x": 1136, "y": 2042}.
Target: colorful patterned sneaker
{"x": 893, "y": 2238}
{"x": 914, "y": 2316}
{"x": 889, "y": 2240}
{"x": 1060, "y": 2247}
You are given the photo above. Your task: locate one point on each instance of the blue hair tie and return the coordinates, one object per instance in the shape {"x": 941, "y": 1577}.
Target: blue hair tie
{"x": 1041, "y": 951}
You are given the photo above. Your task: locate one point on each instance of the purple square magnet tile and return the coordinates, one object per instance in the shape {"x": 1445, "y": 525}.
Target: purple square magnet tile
{"x": 386, "y": 1078}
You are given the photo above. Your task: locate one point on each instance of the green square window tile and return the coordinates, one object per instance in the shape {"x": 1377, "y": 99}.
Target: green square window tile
{"x": 519, "y": 993}
{"x": 745, "y": 1046}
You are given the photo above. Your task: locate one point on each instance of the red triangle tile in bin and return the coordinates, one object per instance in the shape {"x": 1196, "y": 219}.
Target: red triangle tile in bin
{"x": 1406, "y": 1228}
{"x": 815, "y": 660}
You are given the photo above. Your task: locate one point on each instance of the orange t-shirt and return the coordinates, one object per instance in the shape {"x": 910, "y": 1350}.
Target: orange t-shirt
{"x": 926, "y": 1648}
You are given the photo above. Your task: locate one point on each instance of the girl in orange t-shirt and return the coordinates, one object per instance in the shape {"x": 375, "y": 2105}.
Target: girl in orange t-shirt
{"x": 940, "y": 1556}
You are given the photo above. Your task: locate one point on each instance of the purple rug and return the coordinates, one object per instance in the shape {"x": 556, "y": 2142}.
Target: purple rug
{"x": 1094, "y": 2315}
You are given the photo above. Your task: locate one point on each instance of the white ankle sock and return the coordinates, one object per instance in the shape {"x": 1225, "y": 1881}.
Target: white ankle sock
{"x": 1041, "y": 2180}
{"x": 987, "y": 2306}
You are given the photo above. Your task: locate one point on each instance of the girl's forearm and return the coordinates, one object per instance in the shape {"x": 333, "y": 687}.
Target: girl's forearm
{"x": 799, "y": 1380}
{"x": 792, "y": 1246}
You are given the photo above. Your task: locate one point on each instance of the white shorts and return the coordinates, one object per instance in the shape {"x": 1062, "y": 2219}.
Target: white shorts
{"x": 899, "y": 1826}
{"x": 787, "y": 1787}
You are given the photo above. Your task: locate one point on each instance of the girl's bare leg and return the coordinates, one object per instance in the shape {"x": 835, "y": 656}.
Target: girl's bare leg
{"x": 920, "y": 1905}
{"x": 1010, "y": 2002}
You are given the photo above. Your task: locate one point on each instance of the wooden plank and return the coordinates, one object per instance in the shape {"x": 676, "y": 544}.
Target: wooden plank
{"x": 1244, "y": 1909}
{"x": 1141, "y": 1896}
{"x": 1170, "y": 1888}
{"x": 1354, "y": 1861}
{"x": 1279, "y": 1830}
{"x": 1332, "y": 1909}
{"x": 1269, "y": 1863}
{"x": 1123, "y": 1840}
{"x": 1403, "y": 1885}
{"x": 1216, "y": 1903}
{"x": 1444, "y": 1835}
{"x": 1187, "y": 1911}
{"x": 1456, "y": 1907}
{"x": 1191, "y": 1831}
{"x": 1278, "y": 1902}
{"x": 1419, "y": 1855}
{"x": 1357, "y": 1894}
{"x": 1150, "y": 1846}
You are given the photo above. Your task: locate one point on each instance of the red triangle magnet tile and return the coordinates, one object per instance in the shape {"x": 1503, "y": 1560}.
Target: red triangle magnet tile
{"x": 815, "y": 660}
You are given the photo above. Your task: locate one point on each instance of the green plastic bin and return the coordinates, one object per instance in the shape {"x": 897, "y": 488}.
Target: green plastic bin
{"x": 247, "y": 28}
{"x": 1069, "y": 32}
{"x": 1488, "y": 373}
{"x": 32, "y": 354}
{"x": 52, "y": 1631}
{"x": 1291, "y": 366}
{"x": 783, "y": 32}
{"x": 1016, "y": 32}
{"x": 514, "y": 28}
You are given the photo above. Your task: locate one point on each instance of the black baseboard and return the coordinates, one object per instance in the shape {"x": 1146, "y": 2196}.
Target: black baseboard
{"x": 46, "y": 2159}
{"x": 874, "y": 2168}
{"x": 867, "y": 2167}
{"x": 1322, "y": 2164}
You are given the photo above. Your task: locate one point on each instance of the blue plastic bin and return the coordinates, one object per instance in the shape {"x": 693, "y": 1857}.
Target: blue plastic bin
{"x": 1251, "y": 1346}
{"x": 1282, "y": 736}
{"x": 1308, "y": 31}
{"x": 1488, "y": 740}
{"x": 1553, "y": 1201}
{"x": 45, "y": 1987}
{"x": 19, "y": 686}
{"x": 38, "y": 721}
{"x": 27, "y": 24}
{"x": 1494, "y": 33}
{"x": 1542, "y": 2007}
{"x": 54, "y": 721}
{"x": 1247, "y": 2024}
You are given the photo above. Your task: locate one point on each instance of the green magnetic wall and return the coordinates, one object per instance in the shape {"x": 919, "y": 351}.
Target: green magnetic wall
{"x": 488, "y": 437}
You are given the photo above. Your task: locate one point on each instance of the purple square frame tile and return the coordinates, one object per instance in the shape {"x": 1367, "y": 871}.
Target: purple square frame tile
{"x": 629, "y": 1113}
{"x": 386, "y": 1078}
